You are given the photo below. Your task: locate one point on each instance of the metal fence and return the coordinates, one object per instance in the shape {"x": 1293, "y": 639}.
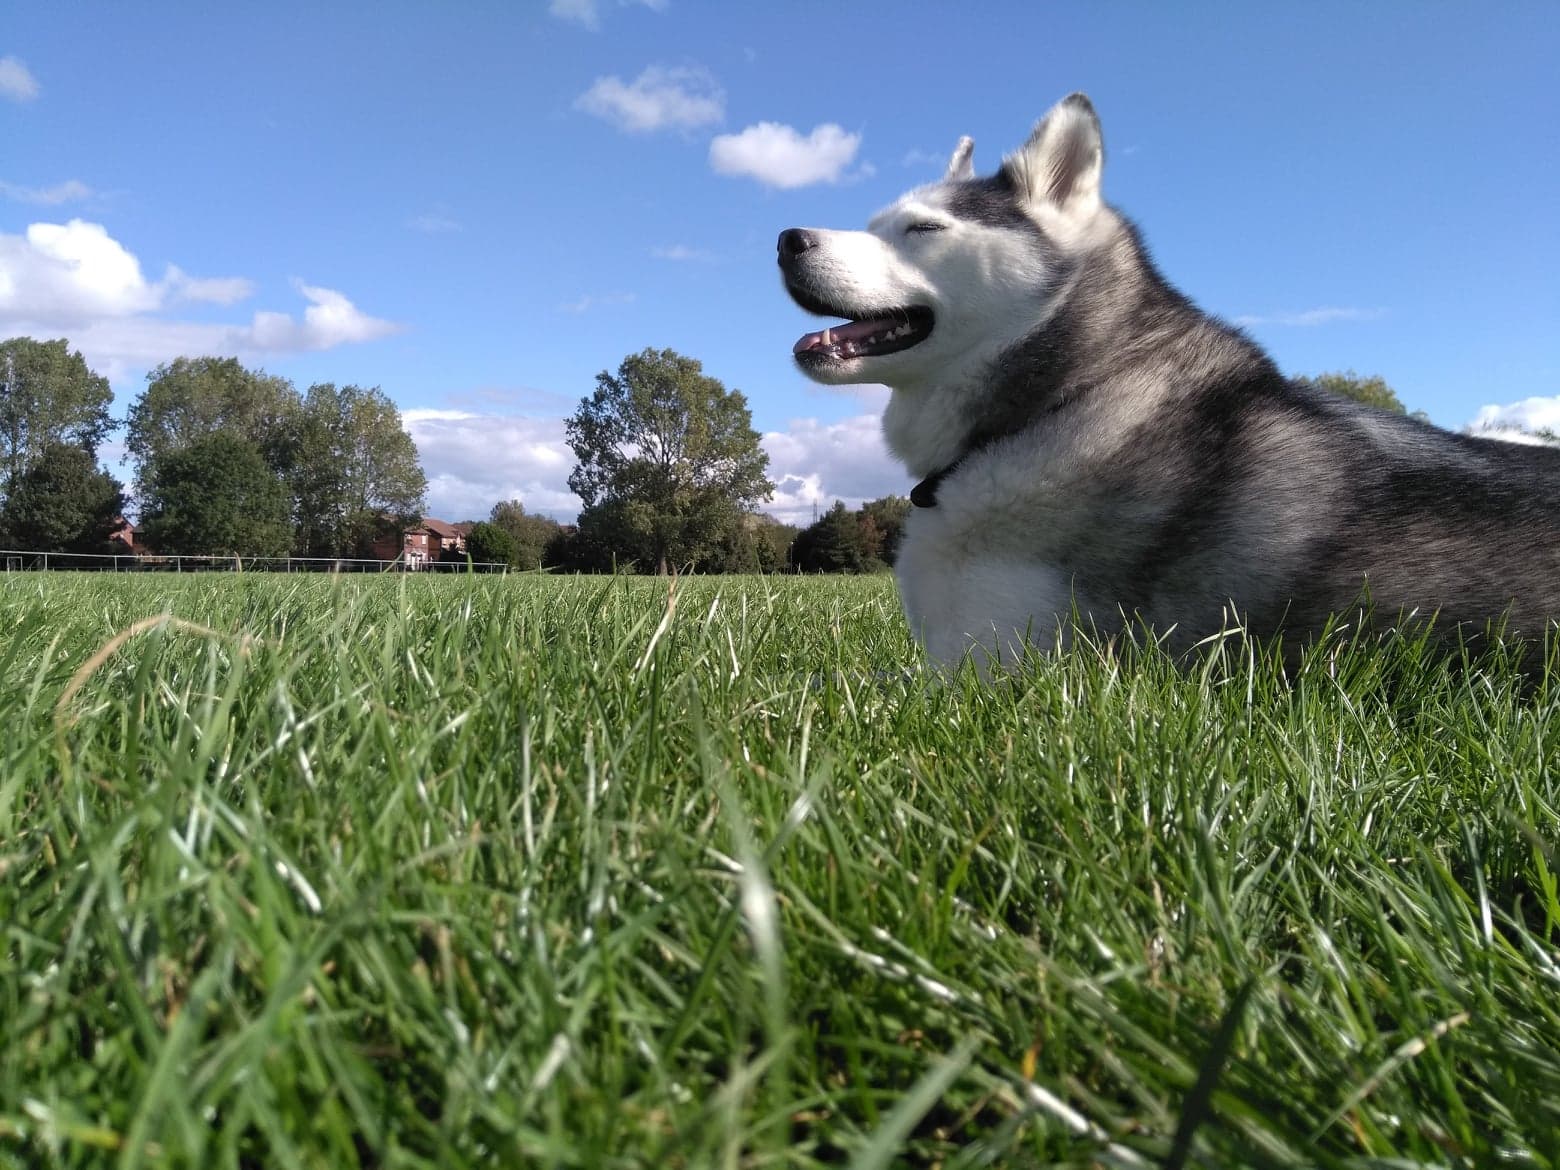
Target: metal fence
{"x": 24, "y": 560}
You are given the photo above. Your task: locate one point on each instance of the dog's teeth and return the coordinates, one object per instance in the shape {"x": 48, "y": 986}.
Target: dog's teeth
{"x": 827, "y": 338}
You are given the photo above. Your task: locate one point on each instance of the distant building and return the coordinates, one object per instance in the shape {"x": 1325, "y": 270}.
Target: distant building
{"x": 427, "y": 541}
{"x": 446, "y": 541}
{"x": 123, "y": 538}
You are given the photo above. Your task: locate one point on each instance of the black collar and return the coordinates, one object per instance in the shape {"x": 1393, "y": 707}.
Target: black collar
{"x": 924, "y": 494}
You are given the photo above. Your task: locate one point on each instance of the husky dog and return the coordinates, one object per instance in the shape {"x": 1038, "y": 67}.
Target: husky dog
{"x": 1089, "y": 443}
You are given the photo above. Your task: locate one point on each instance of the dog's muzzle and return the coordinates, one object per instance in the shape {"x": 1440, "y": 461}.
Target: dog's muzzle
{"x": 793, "y": 243}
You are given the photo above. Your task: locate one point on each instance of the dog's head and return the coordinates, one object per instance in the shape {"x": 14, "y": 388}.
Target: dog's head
{"x": 954, "y": 272}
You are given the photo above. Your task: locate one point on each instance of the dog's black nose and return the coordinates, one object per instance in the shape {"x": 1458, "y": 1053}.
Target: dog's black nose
{"x": 795, "y": 241}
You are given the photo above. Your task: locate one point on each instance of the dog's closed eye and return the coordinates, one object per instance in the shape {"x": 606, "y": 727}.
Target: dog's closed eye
{"x": 918, "y": 228}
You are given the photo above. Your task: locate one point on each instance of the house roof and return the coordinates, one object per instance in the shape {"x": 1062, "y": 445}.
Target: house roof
{"x": 440, "y": 528}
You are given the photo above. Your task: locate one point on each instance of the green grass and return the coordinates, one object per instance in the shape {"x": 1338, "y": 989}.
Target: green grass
{"x": 478, "y": 872}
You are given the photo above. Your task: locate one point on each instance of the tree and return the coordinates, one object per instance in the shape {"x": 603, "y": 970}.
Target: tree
{"x": 48, "y": 395}
{"x": 1372, "y": 391}
{"x": 193, "y": 398}
{"x": 488, "y": 544}
{"x": 531, "y": 534}
{"x": 831, "y": 544}
{"x": 574, "y": 551}
{"x": 353, "y": 466}
{"x": 668, "y": 459}
{"x": 218, "y": 496}
{"x": 62, "y": 502}
{"x": 882, "y": 527}
{"x": 773, "y": 541}
{"x": 755, "y": 543}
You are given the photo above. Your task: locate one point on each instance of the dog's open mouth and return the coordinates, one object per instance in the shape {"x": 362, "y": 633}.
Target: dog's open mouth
{"x": 871, "y": 337}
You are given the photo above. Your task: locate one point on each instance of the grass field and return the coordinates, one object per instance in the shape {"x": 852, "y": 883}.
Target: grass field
{"x": 481, "y": 872}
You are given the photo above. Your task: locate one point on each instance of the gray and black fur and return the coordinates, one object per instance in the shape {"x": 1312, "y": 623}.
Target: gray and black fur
{"x": 1156, "y": 461}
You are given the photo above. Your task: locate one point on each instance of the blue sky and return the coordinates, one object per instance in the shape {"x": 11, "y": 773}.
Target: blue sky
{"x": 477, "y": 207}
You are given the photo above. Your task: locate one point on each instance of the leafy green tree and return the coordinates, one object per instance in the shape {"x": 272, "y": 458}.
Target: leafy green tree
{"x": 773, "y": 541}
{"x": 216, "y": 495}
{"x": 48, "y": 395}
{"x": 1372, "y": 391}
{"x": 882, "y": 527}
{"x": 192, "y": 398}
{"x": 489, "y": 544}
{"x": 832, "y": 544}
{"x": 577, "y": 551}
{"x": 353, "y": 465}
{"x": 755, "y": 543}
{"x": 62, "y": 502}
{"x": 531, "y": 534}
{"x": 668, "y": 458}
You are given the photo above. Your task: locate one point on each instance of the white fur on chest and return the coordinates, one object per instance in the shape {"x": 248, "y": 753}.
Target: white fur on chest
{"x": 995, "y": 607}
{"x": 966, "y": 584}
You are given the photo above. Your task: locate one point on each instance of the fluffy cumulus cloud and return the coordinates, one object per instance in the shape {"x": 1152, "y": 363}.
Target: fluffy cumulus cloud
{"x": 588, "y": 12}
{"x": 76, "y": 279}
{"x": 474, "y": 460}
{"x": 330, "y": 320}
{"x": 1518, "y": 421}
{"x": 814, "y": 463}
{"x": 16, "y": 81}
{"x": 660, "y": 98}
{"x": 70, "y": 273}
{"x": 780, "y": 156}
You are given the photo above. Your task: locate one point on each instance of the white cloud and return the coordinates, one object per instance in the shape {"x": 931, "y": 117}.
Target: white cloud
{"x": 17, "y": 81}
{"x": 588, "y": 12}
{"x": 680, "y": 252}
{"x": 330, "y": 320}
{"x": 813, "y": 464}
{"x": 1514, "y": 421}
{"x": 71, "y": 272}
{"x": 76, "y": 280}
{"x": 778, "y": 156}
{"x": 682, "y": 97}
{"x": 1326, "y": 315}
{"x": 475, "y": 460}
{"x": 596, "y": 301}
{"x": 216, "y": 290}
{"x": 66, "y": 192}
{"x": 434, "y": 223}
{"x": 916, "y": 157}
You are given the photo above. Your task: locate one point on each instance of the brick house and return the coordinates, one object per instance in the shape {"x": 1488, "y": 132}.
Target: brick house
{"x": 122, "y": 540}
{"x": 446, "y": 541}
{"x": 423, "y": 543}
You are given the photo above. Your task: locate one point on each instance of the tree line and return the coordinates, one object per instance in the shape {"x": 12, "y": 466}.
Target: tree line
{"x": 227, "y": 460}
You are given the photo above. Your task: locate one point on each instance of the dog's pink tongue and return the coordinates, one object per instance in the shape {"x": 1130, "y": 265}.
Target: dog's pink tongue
{"x": 825, "y": 338}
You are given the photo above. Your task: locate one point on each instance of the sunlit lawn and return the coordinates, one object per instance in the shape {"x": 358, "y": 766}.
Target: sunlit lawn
{"x": 484, "y": 872}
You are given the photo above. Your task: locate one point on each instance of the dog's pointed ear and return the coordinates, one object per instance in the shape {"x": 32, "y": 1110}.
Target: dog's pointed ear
{"x": 962, "y": 165}
{"x": 1061, "y": 163}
